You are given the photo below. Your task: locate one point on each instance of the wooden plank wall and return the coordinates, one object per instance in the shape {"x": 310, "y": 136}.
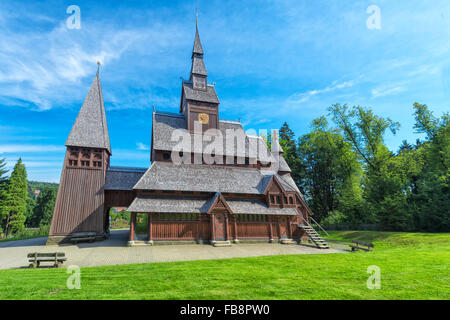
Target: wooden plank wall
{"x": 181, "y": 230}
{"x": 79, "y": 205}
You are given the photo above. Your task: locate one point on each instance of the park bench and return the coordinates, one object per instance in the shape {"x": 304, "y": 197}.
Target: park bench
{"x": 37, "y": 257}
{"x": 83, "y": 236}
{"x": 361, "y": 245}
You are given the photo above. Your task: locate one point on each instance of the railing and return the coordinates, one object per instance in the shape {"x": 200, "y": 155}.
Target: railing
{"x": 319, "y": 226}
{"x": 315, "y": 223}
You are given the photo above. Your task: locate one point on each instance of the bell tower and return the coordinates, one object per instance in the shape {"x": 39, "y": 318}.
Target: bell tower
{"x": 199, "y": 101}
{"x": 79, "y": 204}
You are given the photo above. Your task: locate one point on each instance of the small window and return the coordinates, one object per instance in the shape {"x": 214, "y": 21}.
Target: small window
{"x": 291, "y": 200}
{"x": 285, "y": 200}
{"x": 278, "y": 200}
{"x": 166, "y": 156}
{"x": 272, "y": 199}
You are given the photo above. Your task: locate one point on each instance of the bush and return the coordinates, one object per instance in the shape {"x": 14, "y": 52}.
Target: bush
{"x": 29, "y": 233}
{"x": 335, "y": 217}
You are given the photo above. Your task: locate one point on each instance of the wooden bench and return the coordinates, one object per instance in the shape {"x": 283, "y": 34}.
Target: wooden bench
{"x": 83, "y": 236}
{"x": 37, "y": 257}
{"x": 361, "y": 245}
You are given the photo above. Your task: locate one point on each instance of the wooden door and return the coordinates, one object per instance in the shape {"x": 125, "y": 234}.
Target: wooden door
{"x": 283, "y": 227}
{"x": 220, "y": 227}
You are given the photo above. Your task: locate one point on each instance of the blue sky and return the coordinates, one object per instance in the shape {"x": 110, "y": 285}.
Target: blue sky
{"x": 272, "y": 61}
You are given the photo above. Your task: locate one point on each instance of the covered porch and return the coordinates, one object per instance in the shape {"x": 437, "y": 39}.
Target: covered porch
{"x": 202, "y": 220}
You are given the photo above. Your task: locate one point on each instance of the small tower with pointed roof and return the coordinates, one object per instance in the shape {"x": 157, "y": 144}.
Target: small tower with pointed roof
{"x": 199, "y": 102}
{"x": 277, "y": 152}
{"x": 79, "y": 204}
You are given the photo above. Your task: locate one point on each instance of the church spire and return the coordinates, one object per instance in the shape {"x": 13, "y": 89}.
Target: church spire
{"x": 90, "y": 129}
{"x": 198, "y": 70}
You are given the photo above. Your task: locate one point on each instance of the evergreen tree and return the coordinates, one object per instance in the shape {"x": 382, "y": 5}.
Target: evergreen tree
{"x": 3, "y": 180}
{"x": 14, "y": 206}
{"x": 432, "y": 199}
{"x": 31, "y": 203}
{"x": 290, "y": 153}
{"x": 43, "y": 211}
{"x": 3, "y": 172}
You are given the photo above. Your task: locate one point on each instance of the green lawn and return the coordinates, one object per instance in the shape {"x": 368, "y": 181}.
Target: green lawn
{"x": 413, "y": 266}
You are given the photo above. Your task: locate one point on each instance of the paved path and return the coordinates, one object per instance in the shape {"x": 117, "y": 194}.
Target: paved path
{"x": 114, "y": 251}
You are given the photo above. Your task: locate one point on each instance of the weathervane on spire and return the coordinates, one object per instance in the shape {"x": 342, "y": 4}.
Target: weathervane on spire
{"x": 99, "y": 63}
{"x": 196, "y": 16}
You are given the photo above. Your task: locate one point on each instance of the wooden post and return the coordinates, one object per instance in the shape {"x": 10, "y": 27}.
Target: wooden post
{"x": 270, "y": 228}
{"x": 235, "y": 228}
{"x": 213, "y": 229}
{"x": 289, "y": 227}
{"x": 132, "y": 226}
{"x": 226, "y": 227}
{"x": 279, "y": 229}
{"x": 150, "y": 222}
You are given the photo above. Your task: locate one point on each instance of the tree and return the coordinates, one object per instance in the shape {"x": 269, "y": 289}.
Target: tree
{"x": 3, "y": 172}
{"x": 31, "y": 204}
{"x": 432, "y": 199}
{"x": 331, "y": 173}
{"x": 385, "y": 181}
{"x": 43, "y": 211}
{"x": 14, "y": 207}
{"x": 290, "y": 152}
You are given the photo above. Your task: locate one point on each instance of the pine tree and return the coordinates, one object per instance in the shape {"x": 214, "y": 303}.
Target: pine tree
{"x": 290, "y": 154}
{"x": 3, "y": 172}
{"x": 3, "y": 180}
{"x": 13, "y": 214}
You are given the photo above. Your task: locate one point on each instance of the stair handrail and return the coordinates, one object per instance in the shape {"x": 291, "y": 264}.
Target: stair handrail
{"x": 318, "y": 225}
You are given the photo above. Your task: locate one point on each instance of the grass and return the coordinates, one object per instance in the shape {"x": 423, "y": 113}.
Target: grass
{"x": 413, "y": 266}
{"x": 29, "y": 233}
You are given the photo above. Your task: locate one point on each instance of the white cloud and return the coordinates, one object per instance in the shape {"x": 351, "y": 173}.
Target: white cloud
{"x": 141, "y": 146}
{"x": 302, "y": 97}
{"x": 386, "y": 91}
{"x": 19, "y": 148}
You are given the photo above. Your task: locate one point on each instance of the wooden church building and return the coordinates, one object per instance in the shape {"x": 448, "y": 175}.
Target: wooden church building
{"x": 244, "y": 194}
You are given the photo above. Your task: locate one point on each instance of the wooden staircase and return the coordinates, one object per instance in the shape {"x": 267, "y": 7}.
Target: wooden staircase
{"x": 314, "y": 236}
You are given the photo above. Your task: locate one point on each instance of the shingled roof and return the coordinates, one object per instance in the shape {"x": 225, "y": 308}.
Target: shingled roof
{"x": 123, "y": 178}
{"x": 168, "y": 204}
{"x": 164, "y": 125}
{"x": 198, "y": 66}
{"x": 90, "y": 128}
{"x": 252, "y": 206}
{"x": 161, "y": 204}
{"x": 209, "y": 95}
{"x": 197, "y": 49}
{"x": 202, "y": 178}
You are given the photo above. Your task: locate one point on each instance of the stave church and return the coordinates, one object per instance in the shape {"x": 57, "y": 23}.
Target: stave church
{"x": 196, "y": 193}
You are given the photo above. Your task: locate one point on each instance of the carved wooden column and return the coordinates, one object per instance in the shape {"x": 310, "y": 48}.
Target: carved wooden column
{"x": 270, "y": 229}
{"x": 150, "y": 227}
{"x": 289, "y": 227}
{"x": 279, "y": 228}
{"x": 235, "y": 229}
{"x": 213, "y": 229}
{"x": 226, "y": 227}
{"x": 132, "y": 226}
